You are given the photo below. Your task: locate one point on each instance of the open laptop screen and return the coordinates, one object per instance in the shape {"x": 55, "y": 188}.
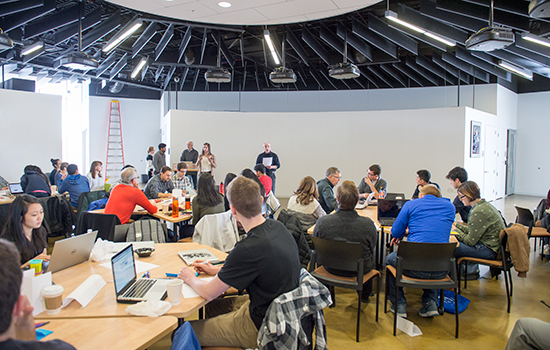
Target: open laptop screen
{"x": 123, "y": 268}
{"x": 390, "y": 208}
{"x": 15, "y": 188}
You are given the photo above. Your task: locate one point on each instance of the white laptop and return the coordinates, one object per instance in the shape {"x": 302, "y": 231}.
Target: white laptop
{"x": 71, "y": 251}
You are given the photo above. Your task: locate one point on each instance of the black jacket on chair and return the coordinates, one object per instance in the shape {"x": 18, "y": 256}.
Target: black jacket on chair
{"x": 103, "y": 223}
{"x": 293, "y": 225}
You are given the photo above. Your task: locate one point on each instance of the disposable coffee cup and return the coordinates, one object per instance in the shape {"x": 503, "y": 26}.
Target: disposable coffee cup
{"x": 36, "y": 264}
{"x": 54, "y": 189}
{"x": 174, "y": 287}
{"x": 165, "y": 207}
{"x": 53, "y": 297}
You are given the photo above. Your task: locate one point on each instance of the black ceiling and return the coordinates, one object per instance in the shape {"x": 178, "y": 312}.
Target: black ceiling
{"x": 388, "y": 56}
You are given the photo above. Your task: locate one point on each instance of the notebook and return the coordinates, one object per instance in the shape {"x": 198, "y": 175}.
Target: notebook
{"x": 15, "y": 189}
{"x": 388, "y": 209}
{"x": 189, "y": 256}
{"x": 129, "y": 288}
{"x": 71, "y": 251}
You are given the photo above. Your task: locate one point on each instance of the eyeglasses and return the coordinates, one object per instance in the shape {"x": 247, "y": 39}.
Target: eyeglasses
{"x": 337, "y": 177}
{"x": 461, "y": 196}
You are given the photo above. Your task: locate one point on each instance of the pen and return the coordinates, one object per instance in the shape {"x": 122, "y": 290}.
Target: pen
{"x": 38, "y": 325}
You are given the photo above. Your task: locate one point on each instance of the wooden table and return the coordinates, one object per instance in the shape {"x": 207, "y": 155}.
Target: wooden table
{"x": 104, "y": 304}
{"x": 111, "y": 333}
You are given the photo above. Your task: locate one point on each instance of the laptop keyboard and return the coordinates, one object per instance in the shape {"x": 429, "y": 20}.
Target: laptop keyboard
{"x": 139, "y": 289}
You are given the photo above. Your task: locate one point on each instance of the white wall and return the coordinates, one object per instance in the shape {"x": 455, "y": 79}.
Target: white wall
{"x": 31, "y": 131}
{"x": 140, "y": 129}
{"x": 532, "y": 166}
{"x": 307, "y": 143}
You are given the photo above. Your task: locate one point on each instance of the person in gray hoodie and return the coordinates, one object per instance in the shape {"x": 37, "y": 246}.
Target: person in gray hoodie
{"x": 75, "y": 184}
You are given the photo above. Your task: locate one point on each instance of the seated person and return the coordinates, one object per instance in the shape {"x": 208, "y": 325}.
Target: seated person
{"x": 304, "y": 203}
{"x": 61, "y": 174}
{"x": 24, "y": 228}
{"x": 265, "y": 263}
{"x": 17, "y": 330}
{"x": 35, "y": 182}
{"x": 208, "y": 200}
{"x": 480, "y": 237}
{"x": 96, "y": 180}
{"x": 55, "y": 163}
{"x": 264, "y": 179}
{"x": 125, "y": 196}
{"x": 458, "y": 176}
{"x": 181, "y": 180}
{"x": 347, "y": 225}
{"x": 422, "y": 179}
{"x": 326, "y": 193}
{"x": 75, "y": 184}
{"x": 228, "y": 178}
{"x": 160, "y": 185}
{"x": 428, "y": 220}
{"x": 373, "y": 183}
{"x": 529, "y": 333}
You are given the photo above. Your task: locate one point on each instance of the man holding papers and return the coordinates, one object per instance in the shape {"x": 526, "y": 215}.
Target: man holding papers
{"x": 265, "y": 263}
{"x": 271, "y": 162}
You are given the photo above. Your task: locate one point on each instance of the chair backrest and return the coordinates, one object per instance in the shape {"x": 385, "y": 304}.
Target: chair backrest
{"x": 339, "y": 255}
{"x": 427, "y": 256}
{"x": 86, "y": 198}
{"x": 539, "y": 212}
{"x": 525, "y": 216}
{"x": 103, "y": 223}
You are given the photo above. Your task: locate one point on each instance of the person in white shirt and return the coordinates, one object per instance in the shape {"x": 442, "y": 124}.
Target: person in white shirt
{"x": 96, "y": 179}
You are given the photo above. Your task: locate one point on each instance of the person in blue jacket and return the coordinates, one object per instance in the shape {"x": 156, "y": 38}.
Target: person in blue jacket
{"x": 75, "y": 184}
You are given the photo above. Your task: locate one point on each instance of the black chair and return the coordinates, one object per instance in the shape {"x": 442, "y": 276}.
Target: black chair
{"x": 103, "y": 223}
{"x": 503, "y": 262}
{"x": 345, "y": 256}
{"x": 424, "y": 257}
{"x": 526, "y": 218}
{"x": 86, "y": 198}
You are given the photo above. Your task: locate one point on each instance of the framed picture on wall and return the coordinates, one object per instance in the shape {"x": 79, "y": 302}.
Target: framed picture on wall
{"x": 475, "y": 139}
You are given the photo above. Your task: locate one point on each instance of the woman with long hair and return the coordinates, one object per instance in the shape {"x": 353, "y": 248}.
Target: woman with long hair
{"x": 55, "y": 163}
{"x": 35, "y": 182}
{"x": 228, "y": 178}
{"x": 149, "y": 167}
{"x": 97, "y": 182}
{"x": 206, "y": 161}
{"x": 304, "y": 203}
{"x": 24, "y": 228}
{"x": 61, "y": 173}
{"x": 208, "y": 200}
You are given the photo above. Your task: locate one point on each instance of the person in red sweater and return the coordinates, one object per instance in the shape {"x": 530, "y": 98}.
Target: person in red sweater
{"x": 264, "y": 179}
{"x": 125, "y": 196}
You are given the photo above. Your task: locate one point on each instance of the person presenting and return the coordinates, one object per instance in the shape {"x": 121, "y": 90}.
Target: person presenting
{"x": 271, "y": 162}
{"x": 458, "y": 176}
{"x": 159, "y": 159}
{"x": 126, "y": 196}
{"x": 264, "y": 179}
{"x": 17, "y": 327}
{"x": 75, "y": 184}
{"x": 206, "y": 161}
{"x": 422, "y": 179}
{"x": 428, "y": 220}
{"x": 326, "y": 193}
{"x": 373, "y": 183}
{"x": 160, "y": 186}
{"x": 265, "y": 263}
{"x": 347, "y": 225}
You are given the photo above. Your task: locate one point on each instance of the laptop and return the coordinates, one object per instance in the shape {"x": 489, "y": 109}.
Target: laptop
{"x": 71, "y": 251}
{"x": 393, "y": 196}
{"x": 130, "y": 289}
{"x": 15, "y": 189}
{"x": 388, "y": 209}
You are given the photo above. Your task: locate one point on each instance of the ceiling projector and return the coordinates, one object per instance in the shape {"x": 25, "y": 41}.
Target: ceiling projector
{"x": 283, "y": 75}
{"x": 344, "y": 71}
{"x": 490, "y": 38}
{"x": 77, "y": 60}
{"x": 218, "y": 75}
{"x": 539, "y": 8}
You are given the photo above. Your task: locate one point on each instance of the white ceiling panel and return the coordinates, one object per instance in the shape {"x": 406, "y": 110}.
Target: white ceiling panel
{"x": 250, "y": 15}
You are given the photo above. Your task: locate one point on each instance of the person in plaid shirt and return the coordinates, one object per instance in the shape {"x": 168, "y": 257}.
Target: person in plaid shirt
{"x": 180, "y": 179}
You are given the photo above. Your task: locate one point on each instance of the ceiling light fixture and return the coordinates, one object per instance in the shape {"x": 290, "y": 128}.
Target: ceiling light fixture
{"x": 536, "y": 39}
{"x": 271, "y": 47}
{"x": 32, "y": 48}
{"x": 138, "y": 68}
{"x": 523, "y": 72}
{"x": 392, "y": 16}
{"x": 123, "y": 34}
{"x": 224, "y": 4}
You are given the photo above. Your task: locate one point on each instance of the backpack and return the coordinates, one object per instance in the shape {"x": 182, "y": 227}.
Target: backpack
{"x": 146, "y": 230}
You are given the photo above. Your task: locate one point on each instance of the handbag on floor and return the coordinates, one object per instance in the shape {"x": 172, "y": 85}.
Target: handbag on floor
{"x": 449, "y": 302}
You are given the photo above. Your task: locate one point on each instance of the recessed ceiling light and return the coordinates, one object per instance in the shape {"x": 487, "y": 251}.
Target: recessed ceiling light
{"x": 224, "y": 4}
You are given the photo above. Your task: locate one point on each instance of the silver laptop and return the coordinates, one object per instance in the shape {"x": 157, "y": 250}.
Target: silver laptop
{"x": 388, "y": 210}
{"x": 129, "y": 288}
{"x": 15, "y": 189}
{"x": 71, "y": 251}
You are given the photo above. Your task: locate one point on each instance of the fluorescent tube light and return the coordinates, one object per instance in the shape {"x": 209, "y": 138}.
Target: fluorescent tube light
{"x": 123, "y": 35}
{"x": 516, "y": 69}
{"x": 32, "y": 48}
{"x": 392, "y": 16}
{"x": 536, "y": 39}
{"x": 271, "y": 47}
{"x": 139, "y": 67}
{"x": 438, "y": 38}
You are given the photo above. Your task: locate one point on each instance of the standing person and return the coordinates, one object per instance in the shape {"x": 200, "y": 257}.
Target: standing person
{"x": 24, "y": 228}
{"x": 75, "y": 184}
{"x": 326, "y": 192}
{"x": 159, "y": 159}
{"x": 264, "y": 179}
{"x": 458, "y": 176}
{"x": 35, "y": 182}
{"x": 96, "y": 180}
{"x": 422, "y": 179}
{"x": 304, "y": 203}
{"x": 206, "y": 161}
{"x": 190, "y": 155}
{"x": 271, "y": 162}
{"x": 62, "y": 173}
{"x": 373, "y": 183}
{"x": 149, "y": 168}
{"x": 160, "y": 186}
{"x": 265, "y": 263}
{"x": 207, "y": 201}
{"x": 55, "y": 163}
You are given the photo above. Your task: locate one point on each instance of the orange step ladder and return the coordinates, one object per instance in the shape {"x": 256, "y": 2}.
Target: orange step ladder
{"x": 115, "y": 148}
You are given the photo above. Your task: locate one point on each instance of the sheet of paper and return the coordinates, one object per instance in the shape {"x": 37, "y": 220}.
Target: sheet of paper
{"x": 408, "y": 327}
{"x": 140, "y": 266}
{"x": 189, "y": 292}
{"x": 32, "y": 286}
{"x": 267, "y": 161}
{"x": 84, "y": 293}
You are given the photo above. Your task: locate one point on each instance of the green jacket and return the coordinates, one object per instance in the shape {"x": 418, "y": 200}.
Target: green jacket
{"x": 484, "y": 226}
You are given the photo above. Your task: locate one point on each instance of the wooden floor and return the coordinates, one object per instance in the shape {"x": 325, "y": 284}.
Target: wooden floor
{"x": 484, "y": 325}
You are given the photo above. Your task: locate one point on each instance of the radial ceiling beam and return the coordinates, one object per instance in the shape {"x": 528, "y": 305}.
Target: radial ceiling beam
{"x": 411, "y": 63}
{"x": 325, "y": 75}
{"x": 417, "y": 36}
{"x": 168, "y": 77}
{"x": 527, "y": 54}
{"x": 108, "y": 62}
{"x": 354, "y": 41}
{"x": 226, "y": 53}
{"x": 371, "y": 78}
{"x": 104, "y": 28}
{"x": 91, "y": 19}
{"x": 465, "y": 67}
{"x": 144, "y": 38}
{"x": 388, "y": 69}
{"x": 158, "y": 72}
{"x": 513, "y": 6}
{"x": 315, "y": 45}
{"x": 10, "y": 8}
{"x": 374, "y": 39}
{"x": 429, "y": 8}
{"x": 435, "y": 69}
{"x": 297, "y": 46}
{"x": 333, "y": 41}
{"x": 184, "y": 42}
{"x": 168, "y": 34}
{"x": 465, "y": 56}
{"x": 56, "y": 20}
{"x": 203, "y": 47}
{"x": 413, "y": 75}
{"x": 436, "y": 58}
{"x": 118, "y": 66}
{"x": 16, "y": 20}
{"x": 533, "y": 47}
{"x": 382, "y": 28}
{"x": 316, "y": 78}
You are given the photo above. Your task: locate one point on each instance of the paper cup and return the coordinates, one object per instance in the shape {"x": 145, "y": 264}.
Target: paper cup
{"x": 54, "y": 189}
{"x": 165, "y": 207}
{"x": 36, "y": 264}
{"x": 52, "y": 296}
{"x": 174, "y": 289}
